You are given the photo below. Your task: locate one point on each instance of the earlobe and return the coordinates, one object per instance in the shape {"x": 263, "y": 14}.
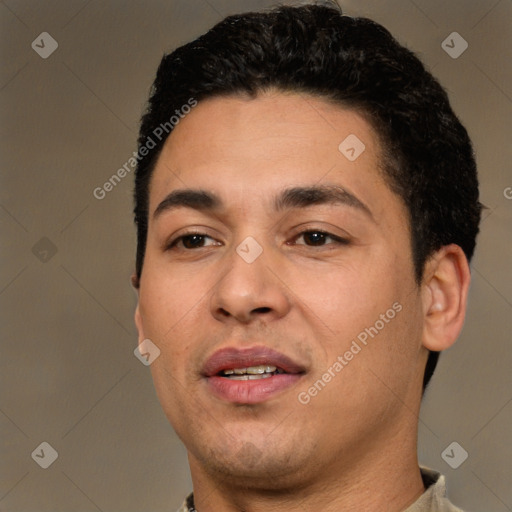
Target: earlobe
{"x": 445, "y": 290}
{"x": 135, "y": 281}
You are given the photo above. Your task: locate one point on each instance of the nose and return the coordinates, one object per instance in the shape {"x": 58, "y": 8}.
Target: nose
{"x": 249, "y": 291}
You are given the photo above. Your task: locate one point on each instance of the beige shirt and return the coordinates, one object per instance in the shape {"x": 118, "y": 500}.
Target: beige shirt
{"x": 432, "y": 500}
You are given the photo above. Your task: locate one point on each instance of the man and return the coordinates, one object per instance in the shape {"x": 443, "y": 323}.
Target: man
{"x": 306, "y": 206}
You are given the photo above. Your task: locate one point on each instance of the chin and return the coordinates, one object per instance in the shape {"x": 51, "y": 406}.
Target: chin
{"x": 258, "y": 467}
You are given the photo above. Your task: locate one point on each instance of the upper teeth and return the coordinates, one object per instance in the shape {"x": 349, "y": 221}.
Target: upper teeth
{"x": 251, "y": 370}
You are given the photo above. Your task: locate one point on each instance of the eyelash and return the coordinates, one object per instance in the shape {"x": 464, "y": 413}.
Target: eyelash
{"x": 338, "y": 240}
{"x": 174, "y": 243}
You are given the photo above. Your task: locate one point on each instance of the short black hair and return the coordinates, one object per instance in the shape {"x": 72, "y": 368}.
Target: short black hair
{"x": 355, "y": 62}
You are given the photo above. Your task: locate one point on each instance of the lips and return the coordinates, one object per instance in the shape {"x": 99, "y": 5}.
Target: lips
{"x": 231, "y": 358}
{"x": 249, "y": 390}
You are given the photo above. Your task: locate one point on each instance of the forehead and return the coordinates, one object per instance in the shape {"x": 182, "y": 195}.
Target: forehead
{"x": 251, "y": 147}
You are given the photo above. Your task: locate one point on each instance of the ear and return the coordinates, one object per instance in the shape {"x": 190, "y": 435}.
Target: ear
{"x": 444, "y": 295}
{"x": 138, "y": 324}
{"x": 137, "y": 315}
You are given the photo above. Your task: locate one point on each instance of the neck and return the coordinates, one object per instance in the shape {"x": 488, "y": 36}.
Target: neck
{"x": 380, "y": 477}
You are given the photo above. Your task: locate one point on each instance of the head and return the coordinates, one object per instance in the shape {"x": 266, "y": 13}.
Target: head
{"x": 262, "y": 104}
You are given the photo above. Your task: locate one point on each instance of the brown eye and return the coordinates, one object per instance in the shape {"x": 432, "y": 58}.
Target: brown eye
{"x": 192, "y": 241}
{"x": 319, "y": 238}
{"x": 315, "y": 238}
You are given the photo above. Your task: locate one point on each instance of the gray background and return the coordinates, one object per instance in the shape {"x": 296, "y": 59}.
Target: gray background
{"x": 68, "y": 373}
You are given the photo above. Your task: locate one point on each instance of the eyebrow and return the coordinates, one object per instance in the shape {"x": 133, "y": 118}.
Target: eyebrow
{"x": 290, "y": 198}
{"x": 189, "y": 198}
{"x": 302, "y": 197}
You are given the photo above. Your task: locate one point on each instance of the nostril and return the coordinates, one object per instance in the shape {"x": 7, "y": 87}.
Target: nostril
{"x": 262, "y": 310}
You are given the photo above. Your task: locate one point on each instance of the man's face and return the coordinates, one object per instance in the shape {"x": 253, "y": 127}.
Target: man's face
{"x": 297, "y": 280}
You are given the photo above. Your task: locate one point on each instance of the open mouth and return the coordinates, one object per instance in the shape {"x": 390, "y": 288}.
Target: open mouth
{"x": 250, "y": 375}
{"x": 251, "y": 372}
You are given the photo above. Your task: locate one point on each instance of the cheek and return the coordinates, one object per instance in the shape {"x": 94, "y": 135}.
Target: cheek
{"x": 171, "y": 308}
{"x": 368, "y": 304}
{"x": 349, "y": 296}
{"x": 368, "y": 369}
{"x": 167, "y": 296}
{"x": 173, "y": 311}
